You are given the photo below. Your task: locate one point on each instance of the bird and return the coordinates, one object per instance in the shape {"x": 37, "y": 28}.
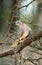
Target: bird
{"x": 25, "y": 32}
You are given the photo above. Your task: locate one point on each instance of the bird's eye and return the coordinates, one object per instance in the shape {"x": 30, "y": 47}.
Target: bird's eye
{"x": 17, "y": 22}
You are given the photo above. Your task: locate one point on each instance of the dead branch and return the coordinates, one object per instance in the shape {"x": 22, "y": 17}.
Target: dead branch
{"x": 19, "y": 47}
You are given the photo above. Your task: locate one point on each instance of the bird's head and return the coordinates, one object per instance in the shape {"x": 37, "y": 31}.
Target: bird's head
{"x": 19, "y": 23}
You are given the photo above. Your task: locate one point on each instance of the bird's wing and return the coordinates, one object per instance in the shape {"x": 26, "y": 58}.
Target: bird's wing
{"x": 19, "y": 34}
{"x": 25, "y": 34}
{"x": 22, "y": 37}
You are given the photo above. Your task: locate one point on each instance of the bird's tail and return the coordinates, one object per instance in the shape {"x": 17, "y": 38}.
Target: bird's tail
{"x": 15, "y": 43}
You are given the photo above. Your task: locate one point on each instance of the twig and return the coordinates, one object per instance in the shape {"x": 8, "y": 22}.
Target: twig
{"x": 27, "y": 4}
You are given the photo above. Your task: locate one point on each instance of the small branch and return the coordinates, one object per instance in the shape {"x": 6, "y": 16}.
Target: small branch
{"x": 35, "y": 47}
{"x": 36, "y": 52}
{"x": 19, "y": 47}
{"x": 27, "y": 4}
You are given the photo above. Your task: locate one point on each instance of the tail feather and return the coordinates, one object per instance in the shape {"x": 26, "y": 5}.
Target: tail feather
{"x": 15, "y": 43}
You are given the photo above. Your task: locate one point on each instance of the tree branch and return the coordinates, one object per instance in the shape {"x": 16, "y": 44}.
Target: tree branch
{"x": 19, "y": 47}
{"x": 27, "y": 4}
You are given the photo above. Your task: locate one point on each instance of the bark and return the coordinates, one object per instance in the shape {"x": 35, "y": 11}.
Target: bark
{"x": 19, "y": 47}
